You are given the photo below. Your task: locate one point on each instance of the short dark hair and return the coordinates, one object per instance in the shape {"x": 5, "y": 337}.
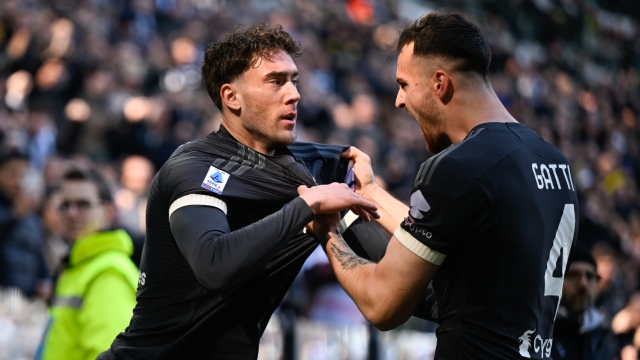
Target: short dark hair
{"x": 226, "y": 60}
{"x": 11, "y": 155}
{"x": 75, "y": 173}
{"x": 448, "y": 35}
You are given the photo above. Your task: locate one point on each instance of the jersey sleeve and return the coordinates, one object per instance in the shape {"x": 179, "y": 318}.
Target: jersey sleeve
{"x": 439, "y": 210}
{"x": 195, "y": 181}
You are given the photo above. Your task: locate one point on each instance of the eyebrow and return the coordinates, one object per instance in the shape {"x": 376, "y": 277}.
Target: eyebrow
{"x": 274, "y": 74}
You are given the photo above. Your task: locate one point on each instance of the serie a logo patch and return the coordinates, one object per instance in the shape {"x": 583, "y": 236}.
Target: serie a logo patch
{"x": 216, "y": 180}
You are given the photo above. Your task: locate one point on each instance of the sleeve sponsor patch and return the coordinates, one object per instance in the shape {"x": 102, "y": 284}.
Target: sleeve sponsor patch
{"x": 216, "y": 180}
{"x": 419, "y": 205}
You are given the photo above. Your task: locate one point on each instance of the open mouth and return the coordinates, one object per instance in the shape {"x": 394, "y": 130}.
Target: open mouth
{"x": 290, "y": 117}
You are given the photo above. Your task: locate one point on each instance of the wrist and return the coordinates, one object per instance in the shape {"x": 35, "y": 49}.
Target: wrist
{"x": 369, "y": 192}
{"x": 329, "y": 237}
{"x": 313, "y": 205}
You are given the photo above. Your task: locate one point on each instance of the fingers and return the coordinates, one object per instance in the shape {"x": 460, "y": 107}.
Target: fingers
{"x": 326, "y": 199}
{"x": 354, "y": 153}
{"x": 362, "y": 214}
{"x": 367, "y": 206}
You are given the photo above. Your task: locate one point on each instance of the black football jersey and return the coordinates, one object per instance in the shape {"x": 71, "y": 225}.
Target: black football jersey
{"x": 176, "y": 317}
{"x": 498, "y": 213}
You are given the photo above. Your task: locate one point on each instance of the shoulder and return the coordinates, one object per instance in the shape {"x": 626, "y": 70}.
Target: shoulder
{"x": 188, "y": 168}
{"x": 112, "y": 264}
{"x": 112, "y": 277}
{"x": 191, "y": 153}
{"x": 456, "y": 168}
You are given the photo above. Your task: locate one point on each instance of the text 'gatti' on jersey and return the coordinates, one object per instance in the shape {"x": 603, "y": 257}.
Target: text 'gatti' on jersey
{"x": 498, "y": 213}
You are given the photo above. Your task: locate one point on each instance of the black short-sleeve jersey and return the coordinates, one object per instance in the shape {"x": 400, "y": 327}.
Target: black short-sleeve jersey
{"x": 498, "y": 213}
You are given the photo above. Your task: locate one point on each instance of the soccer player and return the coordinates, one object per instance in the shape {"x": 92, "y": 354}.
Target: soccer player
{"x": 492, "y": 218}
{"x": 225, "y": 223}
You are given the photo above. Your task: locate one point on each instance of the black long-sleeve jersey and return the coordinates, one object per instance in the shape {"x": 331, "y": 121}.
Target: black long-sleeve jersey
{"x": 498, "y": 213}
{"x": 211, "y": 296}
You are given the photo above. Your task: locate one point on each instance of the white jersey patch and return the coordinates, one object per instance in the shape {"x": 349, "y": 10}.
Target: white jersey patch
{"x": 418, "y": 205}
{"x": 540, "y": 346}
{"x": 216, "y": 180}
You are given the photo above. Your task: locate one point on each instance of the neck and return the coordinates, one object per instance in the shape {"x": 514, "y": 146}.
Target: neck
{"x": 242, "y": 135}
{"x": 472, "y": 108}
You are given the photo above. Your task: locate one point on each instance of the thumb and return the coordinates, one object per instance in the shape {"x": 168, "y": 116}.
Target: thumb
{"x": 347, "y": 153}
{"x": 303, "y": 189}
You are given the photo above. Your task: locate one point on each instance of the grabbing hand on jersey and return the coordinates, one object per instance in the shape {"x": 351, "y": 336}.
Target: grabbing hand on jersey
{"x": 364, "y": 177}
{"x": 392, "y": 211}
{"x": 323, "y": 225}
{"x": 335, "y": 197}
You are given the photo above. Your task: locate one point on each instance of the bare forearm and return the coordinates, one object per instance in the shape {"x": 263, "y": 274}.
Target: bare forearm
{"x": 392, "y": 211}
{"x": 352, "y": 272}
{"x": 366, "y": 285}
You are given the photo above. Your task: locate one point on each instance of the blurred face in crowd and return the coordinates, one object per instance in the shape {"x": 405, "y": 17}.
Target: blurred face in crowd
{"x": 82, "y": 210}
{"x": 580, "y": 286}
{"x": 11, "y": 175}
{"x": 265, "y": 98}
{"x": 137, "y": 173}
{"x": 51, "y": 217}
{"x": 416, "y": 78}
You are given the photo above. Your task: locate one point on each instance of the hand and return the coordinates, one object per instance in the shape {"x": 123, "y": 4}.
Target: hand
{"x": 333, "y": 198}
{"x": 323, "y": 224}
{"x": 43, "y": 289}
{"x": 361, "y": 169}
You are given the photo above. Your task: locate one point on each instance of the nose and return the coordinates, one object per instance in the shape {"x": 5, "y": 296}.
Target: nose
{"x": 71, "y": 211}
{"x": 400, "y": 100}
{"x": 585, "y": 281}
{"x": 293, "y": 96}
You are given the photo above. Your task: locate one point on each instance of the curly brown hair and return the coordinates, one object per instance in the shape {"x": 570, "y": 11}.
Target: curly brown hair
{"x": 224, "y": 61}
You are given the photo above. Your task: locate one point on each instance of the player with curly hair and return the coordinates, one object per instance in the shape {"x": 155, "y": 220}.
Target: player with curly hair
{"x": 224, "y": 218}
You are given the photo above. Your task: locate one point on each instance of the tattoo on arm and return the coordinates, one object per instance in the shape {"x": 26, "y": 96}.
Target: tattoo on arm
{"x": 346, "y": 257}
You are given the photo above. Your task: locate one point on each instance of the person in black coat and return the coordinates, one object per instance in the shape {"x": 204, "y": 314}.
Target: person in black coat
{"x": 580, "y": 332}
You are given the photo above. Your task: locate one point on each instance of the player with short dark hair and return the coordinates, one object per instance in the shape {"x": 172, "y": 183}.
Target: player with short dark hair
{"x": 493, "y": 214}
{"x": 225, "y": 222}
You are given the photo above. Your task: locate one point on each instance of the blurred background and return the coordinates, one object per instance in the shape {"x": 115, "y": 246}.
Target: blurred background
{"x": 116, "y": 85}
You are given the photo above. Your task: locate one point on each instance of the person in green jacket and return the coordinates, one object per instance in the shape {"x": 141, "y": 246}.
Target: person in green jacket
{"x": 95, "y": 294}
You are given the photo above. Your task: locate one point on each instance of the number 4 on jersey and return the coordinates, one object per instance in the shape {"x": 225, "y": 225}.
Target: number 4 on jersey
{"x": 561, "y": 245}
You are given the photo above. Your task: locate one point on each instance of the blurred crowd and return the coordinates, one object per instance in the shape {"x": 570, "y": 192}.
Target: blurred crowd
{"x": 115, "y": 85}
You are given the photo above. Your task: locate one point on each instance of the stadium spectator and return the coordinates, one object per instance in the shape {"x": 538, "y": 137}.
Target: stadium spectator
{"x": 22, "y": 262}
{"x": 55, "y": 246}
{"x": 567, "y": 69}
{"x": 95, "y": 294}
{"x": 626, "y": 325}
{"x": 580, "y": 331}
{"x": 136, "y": 174}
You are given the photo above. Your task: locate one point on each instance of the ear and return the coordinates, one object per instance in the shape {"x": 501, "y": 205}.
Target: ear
{"x": 230, "y": 96}
{"x": 441, "y": 84}
{"x": 109, "y": 214}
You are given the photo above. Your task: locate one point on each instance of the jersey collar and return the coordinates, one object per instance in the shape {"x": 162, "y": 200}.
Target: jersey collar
{"x": 279, "y": 152}
{"x": 491, "y": 125}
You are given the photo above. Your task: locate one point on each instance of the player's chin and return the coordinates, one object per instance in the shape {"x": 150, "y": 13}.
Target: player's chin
{"x": 286, "y": 136}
